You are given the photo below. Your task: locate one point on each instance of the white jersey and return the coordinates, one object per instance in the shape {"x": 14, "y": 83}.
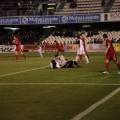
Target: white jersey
{"x": 39, "y": 49}
{"x": 61, "y": 60}
{"x": 81, "y": 48}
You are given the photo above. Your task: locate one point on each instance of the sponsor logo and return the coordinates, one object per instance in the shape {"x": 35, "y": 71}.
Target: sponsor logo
{"x": 115, "y": 15}
{"x": 24, "y": 20}
{"x": 6, "y": 49}
{"x": 65, "y": 19}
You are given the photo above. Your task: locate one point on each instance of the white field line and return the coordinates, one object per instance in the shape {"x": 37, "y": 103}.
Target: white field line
{"x": 92, "y": 84}
{"x": 23, "y": 71}
{"x": 92, "y": 107}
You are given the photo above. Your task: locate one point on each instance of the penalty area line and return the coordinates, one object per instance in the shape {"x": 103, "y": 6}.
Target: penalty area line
{"x": 23, "y": 71}
{"x": 92, "y": 107}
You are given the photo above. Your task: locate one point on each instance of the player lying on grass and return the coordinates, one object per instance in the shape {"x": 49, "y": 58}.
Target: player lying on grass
{"x": 61, "y": 62}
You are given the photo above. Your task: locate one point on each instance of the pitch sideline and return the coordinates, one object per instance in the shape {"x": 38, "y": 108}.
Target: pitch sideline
{"x": 92, "y": 107}
{"x": 23, "y": 71}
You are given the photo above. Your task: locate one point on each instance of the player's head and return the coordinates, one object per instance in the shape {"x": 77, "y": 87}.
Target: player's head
{"x": 15, "y": 36}
{"x": 79, "y": 36}
{"x": 55, "y": 41}
{"x": 105, "y": 36}
{"x": 56, "y": 55}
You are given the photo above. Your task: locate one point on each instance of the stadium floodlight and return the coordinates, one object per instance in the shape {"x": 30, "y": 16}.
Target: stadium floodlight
{"x": 50, "y": 8}
{"x": 14, "y": 29}
{"x": 46, "y": 27}
{"x": 86, "y": 26}
{"x": 51, "y": 4}
{"x": 51, "y": 26}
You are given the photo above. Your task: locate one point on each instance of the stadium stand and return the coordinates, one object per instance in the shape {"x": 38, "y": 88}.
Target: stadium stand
{"x": 30, "y": 7}
{"x": 83, "y": 7}
{"x": 116, "y": 6}
{"x": 113, "y": 35}
{"x": 33, "y": 7}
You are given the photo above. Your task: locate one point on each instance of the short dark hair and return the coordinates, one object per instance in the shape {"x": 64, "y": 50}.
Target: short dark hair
{"x": 78, "y": 36}
{"x": 56, "y": 55}
{"x": 105, "y": 36}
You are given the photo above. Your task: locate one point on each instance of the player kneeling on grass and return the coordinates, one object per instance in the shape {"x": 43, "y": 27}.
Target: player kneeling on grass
{"x": 61, "y": 62}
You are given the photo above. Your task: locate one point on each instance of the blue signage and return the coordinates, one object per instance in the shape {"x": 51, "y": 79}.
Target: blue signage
{"x": 27, "y": 20}
{"x": 40, "y": 20}
{"x": 9, "y": 21}
{"x": 80, "y": 18}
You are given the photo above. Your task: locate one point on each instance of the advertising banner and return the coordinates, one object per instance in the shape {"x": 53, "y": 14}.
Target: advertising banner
{"x": 95, "y": 47}
{"x": 7, "y": 48}
{"x": 80, "y": 18}
{"x": 40, "y": 20}
{"x": 9, "y": 20}
{"x": 110, "y": 17}
{"x": 117, "y": 47}
{"x": 89, "y": 47}
{"x": 70, "y": 48}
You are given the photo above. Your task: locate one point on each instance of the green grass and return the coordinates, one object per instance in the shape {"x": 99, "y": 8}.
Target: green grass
{"x": 56, "y": 94}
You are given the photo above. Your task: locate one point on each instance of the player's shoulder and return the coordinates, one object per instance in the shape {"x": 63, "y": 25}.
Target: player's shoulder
{"x": 108, "y": 40}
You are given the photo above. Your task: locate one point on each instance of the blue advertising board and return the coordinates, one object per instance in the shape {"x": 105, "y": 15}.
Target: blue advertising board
{"x": 80, "y": 18}
{"x": 34, "y": 20}
{"x": 9, "y": 20}
{"x": 40, "y": 20}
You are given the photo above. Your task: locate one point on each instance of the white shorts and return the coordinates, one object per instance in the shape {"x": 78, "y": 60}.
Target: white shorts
{"x": 81, "y": 52}
{"x": 40, "y": 50}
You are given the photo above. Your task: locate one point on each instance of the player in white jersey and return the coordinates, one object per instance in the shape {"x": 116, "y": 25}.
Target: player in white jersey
{"x": 81, "y": 50}
{"x": 60, "y": 59}
{"x": 39, "y": 46}
{"x": 61, "y": 62}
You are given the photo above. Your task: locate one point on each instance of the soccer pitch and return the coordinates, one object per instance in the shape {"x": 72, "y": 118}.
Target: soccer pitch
{"x": 30, "y": 90}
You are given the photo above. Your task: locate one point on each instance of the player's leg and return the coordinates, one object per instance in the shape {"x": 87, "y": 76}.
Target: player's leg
{"x": 23, "y": 55}
{"x": 80, "y": 58}
{"x": 76, "y": 64}
{"x": 62, "y": 52}
{"x": 16, "y": 56}
{"x": 86, "y": 58}
{"x": 118, "y": 64}
{"x": 77, "y": 58}
{"x": 40, "y": 52}
{"x": 114, "y": 57}
{"x": 106, "y": 67}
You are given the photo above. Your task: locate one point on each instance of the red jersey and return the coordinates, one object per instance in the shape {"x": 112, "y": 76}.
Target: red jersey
{"x": 58, "y": 45}
{"x": 17, "y": 43}
{"x": 111, "y": 49}
{"x": 59, "y": 48}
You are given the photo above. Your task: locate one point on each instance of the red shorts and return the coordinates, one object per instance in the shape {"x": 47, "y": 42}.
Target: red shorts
{"x": 59, "y": 49}
{"x": 18, "y": 49}
{"x": 111, "y": 56}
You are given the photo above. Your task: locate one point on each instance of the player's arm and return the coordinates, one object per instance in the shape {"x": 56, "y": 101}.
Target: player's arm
{"x": 56, "y": 57}
{"x": 107, "y": 48}
{"x": 13, "y": 41}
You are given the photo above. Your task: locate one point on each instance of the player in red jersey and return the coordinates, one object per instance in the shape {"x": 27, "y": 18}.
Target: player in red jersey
{"x": 18, "y": 48}
{"x": 59, "y": 48}
{"x": 84, "y": 42}
{"x": 110, "y": 55}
